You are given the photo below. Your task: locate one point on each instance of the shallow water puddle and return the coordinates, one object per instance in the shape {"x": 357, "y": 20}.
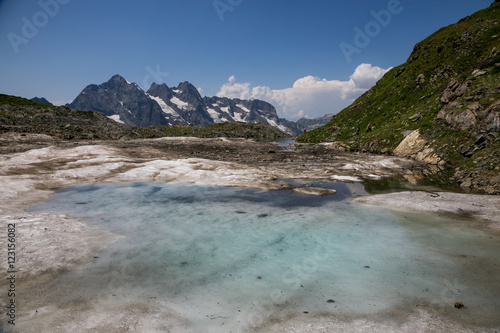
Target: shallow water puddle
{"x": 233, "y": 258}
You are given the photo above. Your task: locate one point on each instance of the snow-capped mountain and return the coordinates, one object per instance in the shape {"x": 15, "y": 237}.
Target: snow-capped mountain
{"x": 121, "y": 101}
{"x": 127, "y": 103}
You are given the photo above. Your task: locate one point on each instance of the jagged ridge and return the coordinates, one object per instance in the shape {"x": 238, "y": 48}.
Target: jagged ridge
{"x": 127, "y": 103}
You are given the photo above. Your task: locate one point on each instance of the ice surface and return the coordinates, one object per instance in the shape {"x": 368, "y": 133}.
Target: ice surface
{"x": 231, "y": 258}
{"x": 192, "y": 170}
{"x": 484, "y": 207}
{"x": 347, "y": 178}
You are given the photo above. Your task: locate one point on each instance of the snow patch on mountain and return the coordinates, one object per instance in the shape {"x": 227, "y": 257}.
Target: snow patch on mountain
{"x": 164, "y": 107}
{"x": 241, "y": 106}
{"x": 280, "y": 127}
{"x": 181, "y": 104}
{"x": 215, "y": 115}
{"x": 116, "y": 118}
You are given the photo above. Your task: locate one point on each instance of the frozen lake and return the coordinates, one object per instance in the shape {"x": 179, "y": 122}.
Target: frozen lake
{"x": 234, "y": 258}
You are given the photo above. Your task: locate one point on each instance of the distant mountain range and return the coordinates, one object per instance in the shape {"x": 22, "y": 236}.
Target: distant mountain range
{"x": 128, "y": 104}
{"x": 41, "y": 100}
{"x": 20, "y": 115}
{"x": 310, "y": 124}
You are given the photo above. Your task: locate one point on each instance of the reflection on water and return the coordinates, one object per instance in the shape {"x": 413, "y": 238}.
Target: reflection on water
{"x": 285, "y": 142}
{"x": 401, "y": 183}
{"x": 236, "y": 257}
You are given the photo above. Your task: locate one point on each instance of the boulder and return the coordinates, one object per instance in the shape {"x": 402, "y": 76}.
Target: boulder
{"x": 492, "y": 117}
{"x": 411, "y": 145}
{"x": 415, "y": 146}
{"x": 448, "y": 94}
{"x": 454, "y": 90}
{"x": 464, "y": 120}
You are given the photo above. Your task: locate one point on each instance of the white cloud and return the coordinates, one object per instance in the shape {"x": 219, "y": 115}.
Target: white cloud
{"x": 232, "y": 89}
{"x": 309, "y": 96}
{"x": 365, "y": 76}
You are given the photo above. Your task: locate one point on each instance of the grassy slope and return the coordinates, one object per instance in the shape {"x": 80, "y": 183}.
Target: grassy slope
{"x": 408, "y": 96}
{"x": 19, "y": 101}
{"x": 398, "y": 102}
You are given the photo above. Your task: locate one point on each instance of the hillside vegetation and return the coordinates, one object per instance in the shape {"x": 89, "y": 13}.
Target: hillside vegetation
{"x": 448, "y": 90}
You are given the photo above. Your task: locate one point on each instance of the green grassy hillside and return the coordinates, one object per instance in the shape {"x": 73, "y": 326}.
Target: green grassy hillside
{"x": 19, "y": 101}
{"x": 449, "y": 89}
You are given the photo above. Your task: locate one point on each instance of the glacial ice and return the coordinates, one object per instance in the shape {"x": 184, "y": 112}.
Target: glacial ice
{"x": 238, "y": 257}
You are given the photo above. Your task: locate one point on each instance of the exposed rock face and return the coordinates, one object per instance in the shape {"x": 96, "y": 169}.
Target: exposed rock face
{"x": 454, "y": 90}
{"x": 464, "y": 111}
{"x": 415, "y": 146}
{"x": 492, "y": 117}
{"x": 122, "y": 101}
{"x": 127, "y": 103}
{"x": 467, "y": 112}
{"x": 411, "y": 145}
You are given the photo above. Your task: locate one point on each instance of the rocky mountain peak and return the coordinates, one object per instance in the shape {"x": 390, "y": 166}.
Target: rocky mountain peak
{"x": 186, "y": 86}
{"x": 117, "y": 80}
{"x": 160, "y": 90}
{"x": 186, "y": 89}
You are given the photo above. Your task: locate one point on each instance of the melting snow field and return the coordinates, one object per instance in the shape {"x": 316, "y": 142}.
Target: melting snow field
{"x": 240, "y": 260}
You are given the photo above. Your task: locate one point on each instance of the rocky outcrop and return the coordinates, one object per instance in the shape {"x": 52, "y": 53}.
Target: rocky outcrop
{"x": 491, "y": 117}
{"x": 415, "y": 146}
{"x": 463, "y": 106}
{"x": 454, "y": 90}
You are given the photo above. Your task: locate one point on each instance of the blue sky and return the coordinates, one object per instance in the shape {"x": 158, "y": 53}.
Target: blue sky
{"x": 287, "y": 52}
